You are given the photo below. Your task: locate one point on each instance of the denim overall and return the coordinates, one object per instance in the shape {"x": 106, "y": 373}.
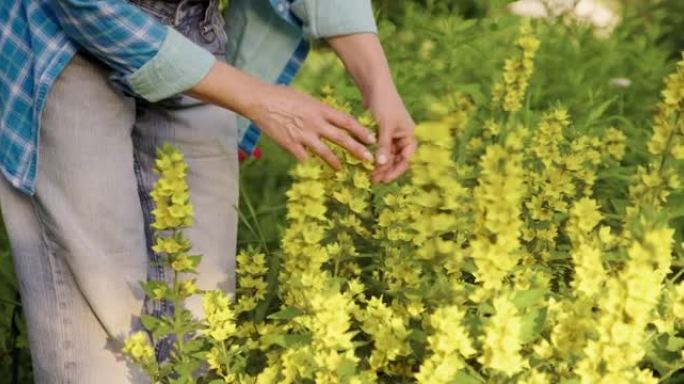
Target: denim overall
{"x": 199, "y": 20}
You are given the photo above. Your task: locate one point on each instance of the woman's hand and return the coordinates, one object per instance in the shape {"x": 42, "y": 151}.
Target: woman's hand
{"x": 396, "y": 141}
{"x": 296, "y": 122}
{"x": 364, "y": 59}
{"x": 293, "y": 120}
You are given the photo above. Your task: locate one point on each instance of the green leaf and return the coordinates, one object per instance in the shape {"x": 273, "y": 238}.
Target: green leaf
{"x": 463, "y": 377}
{"x": 417, "y": 335}
{"x": 150, "y": 286}
{"x": 346, "y": 369}
{"x": 288, "y": 313}
{"x": 597, "y": 112}
{"x": 195, "y": 260}
{"x": 288, "y": 341}
{"x": 532, "y": 325}
{"x": 674, "y": 344}
{"x": 164, "y": 328}
{"x": 150, "y": 323}
{"x": 526, "y": 299}
{"x": 194, "y": 345}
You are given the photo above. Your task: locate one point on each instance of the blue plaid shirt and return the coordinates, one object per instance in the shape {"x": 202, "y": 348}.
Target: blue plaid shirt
{"x": 37, "y": 40}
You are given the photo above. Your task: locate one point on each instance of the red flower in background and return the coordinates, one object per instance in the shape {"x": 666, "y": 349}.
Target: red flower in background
{"x": 256, "y": 154}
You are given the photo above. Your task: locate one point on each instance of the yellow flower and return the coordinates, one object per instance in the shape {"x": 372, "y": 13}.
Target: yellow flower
{"x": 517, "y": 72}
{"x": 182, "y": 263}
{"x": 170, "y": 193}
{"x": 219, "y": 317}
{"x": 501, "y": 341}
{"x": 187, "y": 287}
{"x": 138, "y": 347}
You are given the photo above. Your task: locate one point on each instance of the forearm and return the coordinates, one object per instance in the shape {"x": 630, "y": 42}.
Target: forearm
{"x": 365, "y": 61}
{"x": 233, "y": 89}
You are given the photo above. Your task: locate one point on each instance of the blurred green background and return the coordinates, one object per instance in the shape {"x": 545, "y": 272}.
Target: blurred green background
{"x": 436, "y": 47}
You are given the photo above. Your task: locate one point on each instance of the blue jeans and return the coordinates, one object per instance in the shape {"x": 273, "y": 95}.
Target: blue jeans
{"x": 81, "y": 244}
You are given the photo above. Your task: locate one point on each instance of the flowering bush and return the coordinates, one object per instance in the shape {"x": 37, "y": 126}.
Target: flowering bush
{"x": 506, "y": 257}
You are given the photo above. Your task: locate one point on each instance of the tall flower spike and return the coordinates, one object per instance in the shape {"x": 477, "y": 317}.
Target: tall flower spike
{"x": 171, "y": 193}
{"x": 510, "y": 93}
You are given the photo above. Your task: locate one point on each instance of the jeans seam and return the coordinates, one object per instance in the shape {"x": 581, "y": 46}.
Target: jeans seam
{"x": 68, "y": 364}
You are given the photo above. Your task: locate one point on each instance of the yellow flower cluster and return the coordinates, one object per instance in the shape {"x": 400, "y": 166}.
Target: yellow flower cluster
{"x": 138, "y": 347}
{"x": 498, "y": 261}
{"x": 668, "y": 132}
{"x": 626, "y": 308}
{"x": 614, "y": 143}
{"x": 437, "y": 194}
{"x": 501, "y": 342}
{"x": 394, "y": 231}
{"x": 455, "y": 110}
{"x": 349, "y": 191}
{"x": 549, "y": 184}
{"x": 251, "y": 272}
{"x": 388, "y": 331}
{"x": 219, "y": 317}
{"x": 498, "y": 200}
{"x": 303, "y": 251}
{"x": 450, "y": 345}
{"x": 517, "y": 72}
{"x": 170, "y": 194}
{"x": 655, "y": 182}
{"x": 331, "y": 344}
{"x": 327, "y": 311}
{"x": 589, "y": 271}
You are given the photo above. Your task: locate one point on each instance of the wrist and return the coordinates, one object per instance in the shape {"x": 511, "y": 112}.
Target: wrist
{"x": 256, "y": 100}
{"x": 378, "y": 92}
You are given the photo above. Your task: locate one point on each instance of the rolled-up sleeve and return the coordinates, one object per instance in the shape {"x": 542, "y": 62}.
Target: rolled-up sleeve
{"x": 327, "y": 18}
{"x": 155, "y": 60}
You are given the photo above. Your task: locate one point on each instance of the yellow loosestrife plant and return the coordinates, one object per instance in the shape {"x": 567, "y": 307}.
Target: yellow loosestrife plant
{"x": 498, "y": 260}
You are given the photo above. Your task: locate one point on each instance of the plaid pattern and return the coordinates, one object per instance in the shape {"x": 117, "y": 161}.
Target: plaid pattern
{"x": 37, "y": 40}
{"x": 282, "y": 7}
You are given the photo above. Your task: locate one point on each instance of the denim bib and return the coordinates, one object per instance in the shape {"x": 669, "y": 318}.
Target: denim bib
{"x": 198, "y": 20}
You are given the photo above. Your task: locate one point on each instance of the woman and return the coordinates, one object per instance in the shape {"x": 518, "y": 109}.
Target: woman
{"x": 95, "y": 86}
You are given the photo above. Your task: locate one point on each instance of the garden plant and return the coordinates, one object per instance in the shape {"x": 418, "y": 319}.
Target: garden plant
{"x": 523, "y": 248}
{"x": 537, "y": 238}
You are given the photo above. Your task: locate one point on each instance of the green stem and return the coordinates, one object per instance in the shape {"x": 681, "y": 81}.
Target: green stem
{"x": 677, "y": 276}
{"x": 668, "y": 147}
{"x": 672, "y": 372}
{"x": 177, "y": 319}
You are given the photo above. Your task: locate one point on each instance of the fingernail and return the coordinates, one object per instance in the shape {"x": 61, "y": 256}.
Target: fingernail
{"x": 382, "y": 159}
{"x": 371, "y": 138}
{"x": 368, "y": 156}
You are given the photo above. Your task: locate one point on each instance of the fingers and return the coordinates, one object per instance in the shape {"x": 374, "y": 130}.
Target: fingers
{"x": 384, "y": 152}
{"x": 348, "y": 143}
{"x": 402, "y": 149}
{"x": 399, "y": 168}
{"x": 323, "y": 151}
{"x": 384, "y": 157}
{"x": 299, "y": 152}
{"x": 348, "y": 123}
